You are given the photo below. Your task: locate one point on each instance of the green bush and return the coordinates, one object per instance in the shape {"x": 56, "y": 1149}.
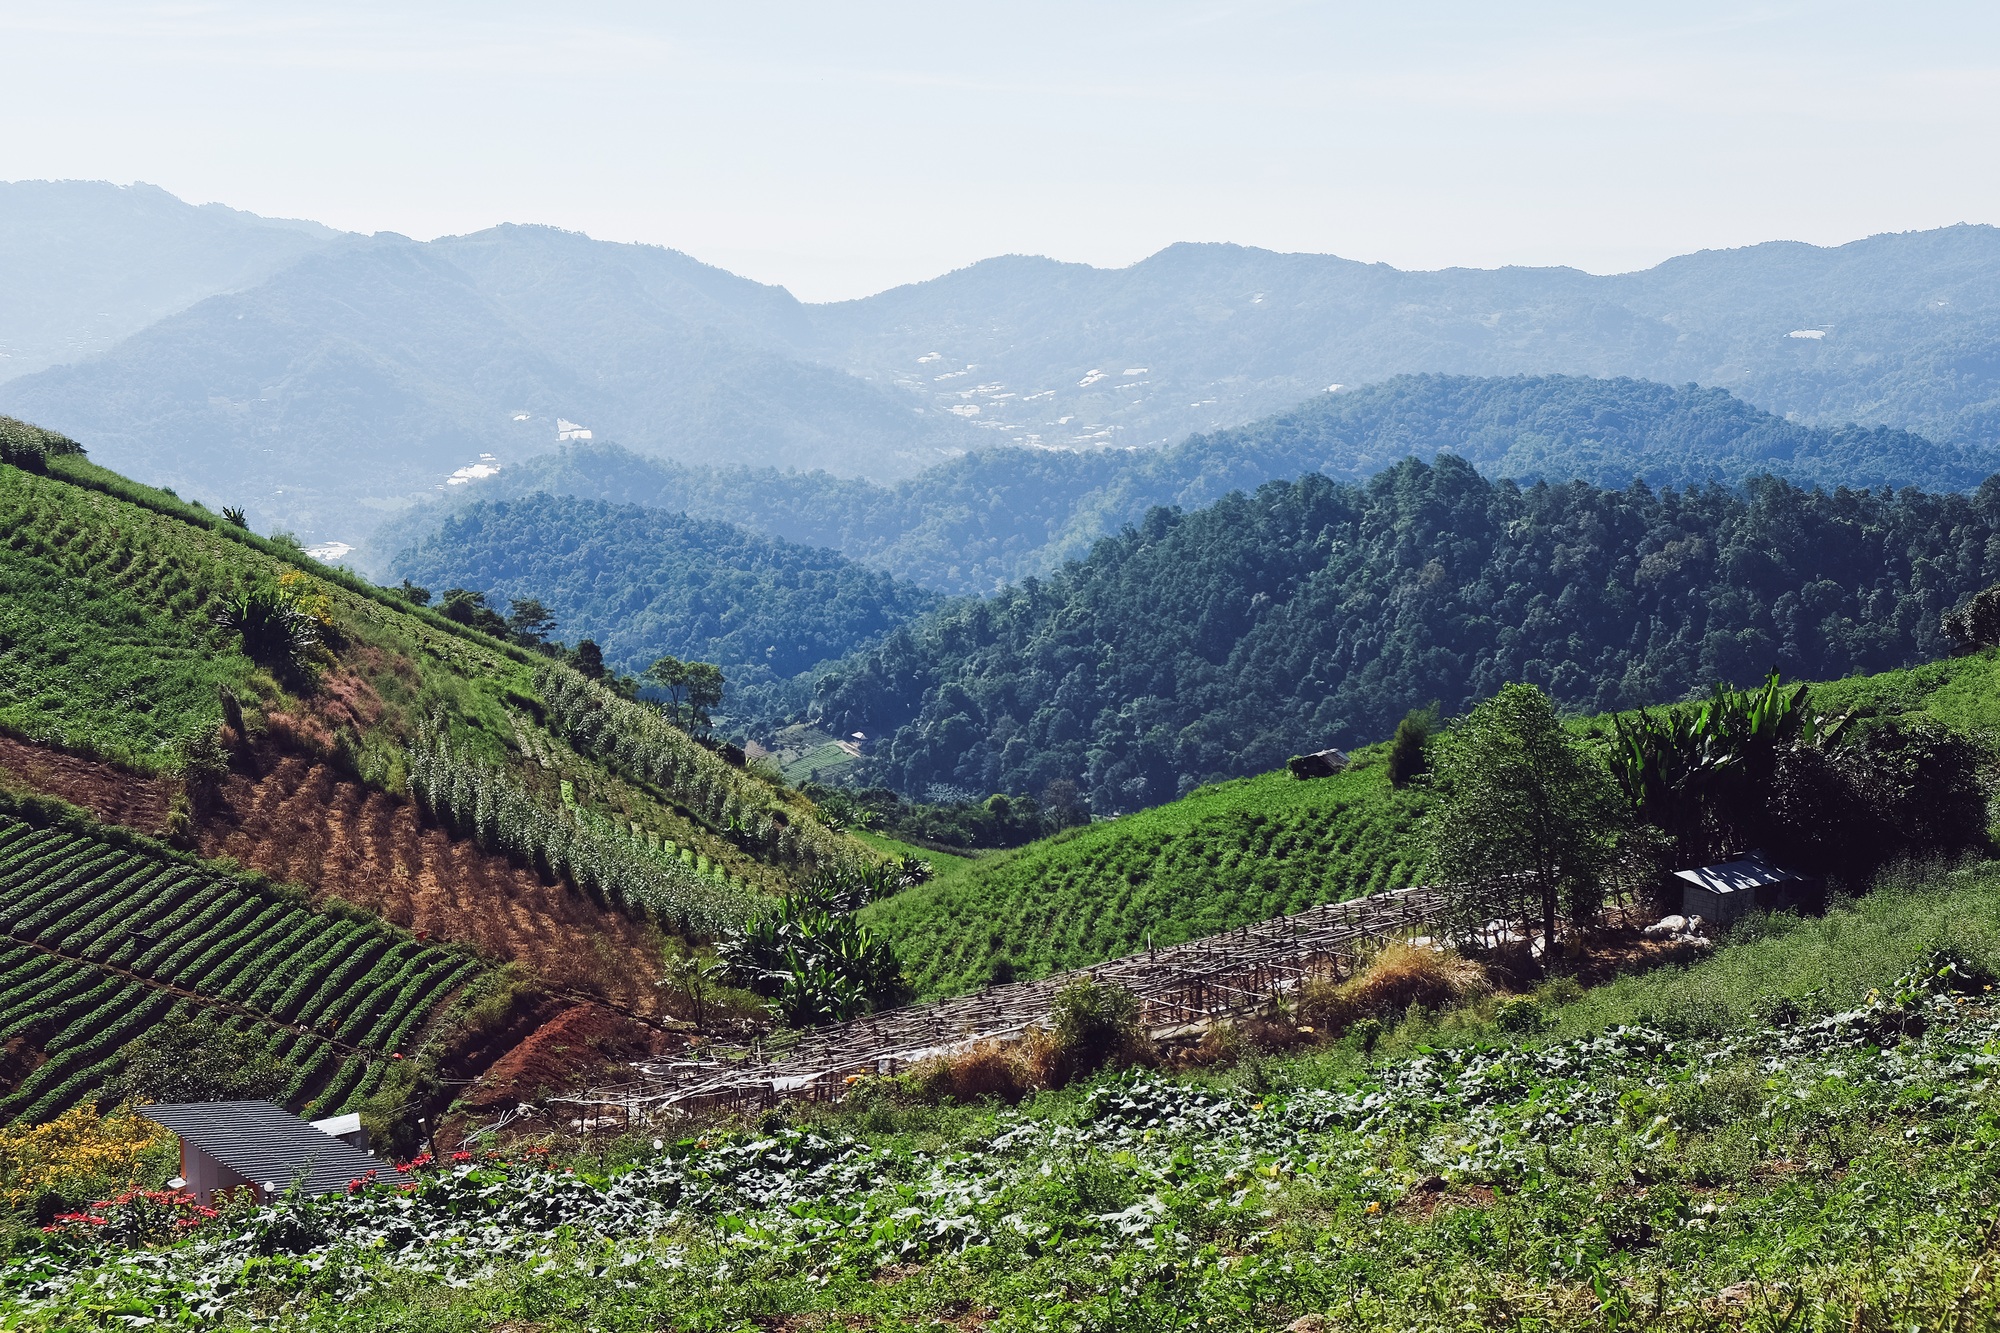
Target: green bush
{"x": 1091, "y": 1024}
{"x": 196, "y": 1058}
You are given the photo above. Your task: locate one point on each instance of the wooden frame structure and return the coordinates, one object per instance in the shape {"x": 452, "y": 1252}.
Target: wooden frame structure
{"x": 1181, "y": 987}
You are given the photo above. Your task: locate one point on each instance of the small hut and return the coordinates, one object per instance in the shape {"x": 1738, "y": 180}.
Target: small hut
{"x": 1320, "y": 764}
{"x": 1750, "y": 883}
{"x": 260, "y": 1147}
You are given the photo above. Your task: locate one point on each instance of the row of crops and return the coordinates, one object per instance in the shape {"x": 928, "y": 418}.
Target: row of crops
{"x": 639, "y": 742}
{"x": 99, "y": 941}
{"x": 1240, "y": 852}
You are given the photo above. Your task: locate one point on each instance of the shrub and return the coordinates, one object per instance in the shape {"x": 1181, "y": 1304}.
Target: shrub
{"x": 1091, "y": 1024}
{"x": 987, "y": 1069}
{"x": 197, "y": 1059}
{"x": 1400, "y": 976}
{"x": 1520, "y": 1013}
{"x": 78, "y": 1156}
{"x": 816, "y": 962}
{"x": 1407, "y": 761}
{"x": 275, "y": 630}
{"x": 1906, "y": 788}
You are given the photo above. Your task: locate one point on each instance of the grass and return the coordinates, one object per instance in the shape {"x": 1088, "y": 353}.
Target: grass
{"x": 944, "y": 865}
{"x": 1826, "y": 1171}
{"x": 1828, "y": 962}
{"x": 1226, "y": 855}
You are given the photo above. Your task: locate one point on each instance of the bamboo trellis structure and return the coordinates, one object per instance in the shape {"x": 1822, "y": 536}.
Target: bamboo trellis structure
{"x": 1180, "y": 987}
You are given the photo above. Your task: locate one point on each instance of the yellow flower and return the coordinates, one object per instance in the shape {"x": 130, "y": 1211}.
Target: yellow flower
{"x": 1374, "y": 1208}
{"x": 77, "y": 1145}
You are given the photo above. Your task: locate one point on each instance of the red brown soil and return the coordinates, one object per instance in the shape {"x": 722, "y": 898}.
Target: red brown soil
{"x": 579, "y": 1045}
{"x": 110, "y": 793}
{"x": 300, "y": 820}
{"x": 341, "y": 700}
{"x": 297, "y": 819}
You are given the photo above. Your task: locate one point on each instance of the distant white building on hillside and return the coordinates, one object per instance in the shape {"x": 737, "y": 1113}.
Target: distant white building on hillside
{"x": 569, "y": 430}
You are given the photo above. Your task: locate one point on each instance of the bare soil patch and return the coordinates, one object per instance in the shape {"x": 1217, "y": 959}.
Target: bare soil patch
{"x": 301, "y": 820}
{"x": 580, "y": 1044}
{"x": 107, "y": 791}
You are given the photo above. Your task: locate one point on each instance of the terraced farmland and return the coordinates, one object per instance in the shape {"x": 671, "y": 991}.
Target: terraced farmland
{"x": 1223, "y": 857}
{"x": 98, "y": 942}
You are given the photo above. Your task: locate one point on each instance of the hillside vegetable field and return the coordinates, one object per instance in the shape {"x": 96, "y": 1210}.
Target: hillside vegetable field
{"x": 1242, "y": 851}
{"x": 99, "y": 941}
{"x": 1226, "y": 855}
{"x": 1796, "y": 1134}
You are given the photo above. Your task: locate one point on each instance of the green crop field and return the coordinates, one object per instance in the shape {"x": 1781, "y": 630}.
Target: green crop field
{"x": 1228, "y": 854}
{"x": 1243, "y": 851}
{"x": 99, "y": 941}
{"x": 106, "y": 642}
{"x": 1795, "y": 1133}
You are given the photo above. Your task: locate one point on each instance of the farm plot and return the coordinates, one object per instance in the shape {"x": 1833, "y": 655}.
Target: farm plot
{"x": 1223, "y": 857}
{"x": 98, "y": 942}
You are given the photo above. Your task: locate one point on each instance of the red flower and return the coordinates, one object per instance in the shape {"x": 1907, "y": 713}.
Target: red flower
{"x": 461, "y": 1156}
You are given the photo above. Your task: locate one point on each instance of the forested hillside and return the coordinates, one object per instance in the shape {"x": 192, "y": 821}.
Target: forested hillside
{"x": 975, "y": 522}
{"x": 1207, "y": 645}
{"x": 644, "y": 583}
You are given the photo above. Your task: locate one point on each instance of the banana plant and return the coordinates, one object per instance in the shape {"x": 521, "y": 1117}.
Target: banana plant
{"x": 1693, "y": 771}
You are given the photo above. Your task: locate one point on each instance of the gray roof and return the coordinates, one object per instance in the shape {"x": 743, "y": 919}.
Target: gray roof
{"x": 265, "y": 1143}
{"x": 1746, "y": 872}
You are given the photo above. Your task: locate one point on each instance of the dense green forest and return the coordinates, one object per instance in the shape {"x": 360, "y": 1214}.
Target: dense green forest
{"x": 1202, "y": 646}
{"x": 991, "y": 516}
{"x": 644, "y": 583}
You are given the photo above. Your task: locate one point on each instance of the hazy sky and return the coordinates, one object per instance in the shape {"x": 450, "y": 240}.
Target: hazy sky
{"x": 842, "y": 148}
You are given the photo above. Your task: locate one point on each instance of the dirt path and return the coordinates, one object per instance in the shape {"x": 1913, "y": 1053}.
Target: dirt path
{"x": 302, "y": 821}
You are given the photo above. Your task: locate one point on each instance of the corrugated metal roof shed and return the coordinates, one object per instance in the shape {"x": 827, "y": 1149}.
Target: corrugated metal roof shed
{"x": 265, "y": 1143}
{"x": 1745, "y": 872}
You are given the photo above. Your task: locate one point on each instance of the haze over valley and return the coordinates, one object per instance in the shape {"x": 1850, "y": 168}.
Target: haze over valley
{"x": 326, "y": 382}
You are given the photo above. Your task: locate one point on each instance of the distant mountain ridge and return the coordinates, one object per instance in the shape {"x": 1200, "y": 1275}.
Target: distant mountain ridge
{"x": 1896, "y": 329}
{"x": 330, "y": 389}
{"x": 973, "y": 523}
{"x": 84, "y": 264}
{"x": 359, "y": 379}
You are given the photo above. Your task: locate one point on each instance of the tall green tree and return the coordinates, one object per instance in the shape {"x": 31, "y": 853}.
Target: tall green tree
{"x": 529, "y": 619}
{"x": 704, "y": 693}
{"x": 670, "y": 674}
{"x": 1525, "y": 819}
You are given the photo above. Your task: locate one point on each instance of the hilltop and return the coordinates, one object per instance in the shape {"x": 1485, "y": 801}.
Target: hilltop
{"x": 86, "y": 264}
{"x": 997, "y": 515}
{"x": 642, "y": 583}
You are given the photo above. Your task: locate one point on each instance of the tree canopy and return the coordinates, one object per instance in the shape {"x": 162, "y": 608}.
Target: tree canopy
{"x": 1199, "y": 646}
{"x": 1524, "y": 818}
